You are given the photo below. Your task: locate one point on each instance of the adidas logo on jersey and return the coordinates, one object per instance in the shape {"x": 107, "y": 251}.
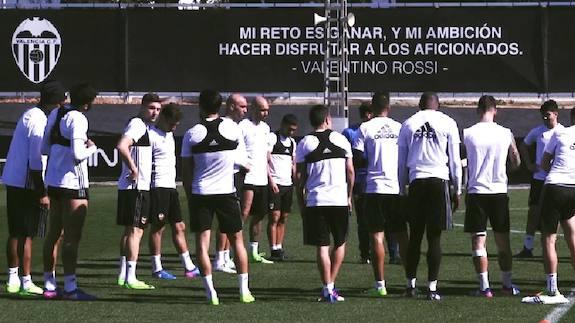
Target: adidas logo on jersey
{"x": 287, "y": 151}
{"x": 426, "y": 131}
{"x": 385, "y": 133}
{"x": 213, "y": 143}
{"x": 327, "y": 151}
{"x": 572, "y": 147}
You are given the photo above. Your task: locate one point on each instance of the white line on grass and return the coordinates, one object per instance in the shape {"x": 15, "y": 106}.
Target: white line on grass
{"x": 559, "y": 311}
{"x": 512, "y": 231}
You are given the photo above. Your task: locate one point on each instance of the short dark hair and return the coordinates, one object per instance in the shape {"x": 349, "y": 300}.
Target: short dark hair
{"x": 549, "y": 106}
{"x": 318, "y": 114}
{"x": 364, "y": 109}
{"x": 379, "y": 102}
{"x": 81, "y": 94}
{"x": 290, "y": 119}
{"x": 210, "y": 101}
{"x": 486, "y": 102}
{"x": 425, "y": 97}
{"x": 171, "y": 112}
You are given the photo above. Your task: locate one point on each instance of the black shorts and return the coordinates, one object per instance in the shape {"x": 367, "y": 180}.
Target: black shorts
{"x": 260, "y": 200}
{"x": 165, "y": 205}
{"x": 535, "y": 191}
{"x": 383, "y": 212}
{"x": 557, "y": 204}
{"x": 60, "y": 193}
{"x": 225, "y": 206}
{"x": 133, "y": 208}
{"x": 26, "y": 217}
{"x": 480, "y": 207}
{"x": 429, "y": 202}
{"x": 283, "y": 200}
{"x": 239, "y": 178}
{"x": 320, "y": 222}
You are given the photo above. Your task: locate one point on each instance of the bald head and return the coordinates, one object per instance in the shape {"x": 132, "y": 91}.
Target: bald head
{"x": 259, "y": 109}
{"x": 236, "y": 107}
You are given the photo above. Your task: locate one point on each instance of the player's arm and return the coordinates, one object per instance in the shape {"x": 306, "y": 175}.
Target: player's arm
{"x": 300, "y": 180}
{"x": 455, "y": 170}
{"x": 549, "y": 153}
{"x": 36, "y": 164}
{"x": 513, "y": 156}
{"x": 273, "y": 184}
{"x": 525, "y": 156}
{"x": 402, "y": 170}
{"x": 350, "y": 177}
{"x": 82, "y": 147}
{"x": 358, "y": 150}
{"x": 123, "y": 148}
{"x": 187, "y": 175}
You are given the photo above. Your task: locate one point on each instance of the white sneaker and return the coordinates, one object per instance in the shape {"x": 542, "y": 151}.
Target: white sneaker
{"x": 221, "y": 267}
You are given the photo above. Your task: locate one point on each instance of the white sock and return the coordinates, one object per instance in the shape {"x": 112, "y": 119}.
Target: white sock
{"x": 243, "y": 280}
{"x": 254, "y": 247}
{"x": 26, "y": 281}
{"x": 280, "y": 247}
{"x": 157, "y": 263}
{"x": 432, "y": 285}
{"x": 70, "y": 283}
{"x": 528, "y": 242}
{"x": 552, "y": 283}
{"x": 506, "y": 278}
{"x": 122, "y": 274}
{"x": 13, "y": 276}
{"x": 275, "y": 247}
{"x": 187, "y": 261}
{"x": 483, "y": 281}
{"x": 131, "y": 272}
{"x": 220, "y": 258}
{"x": 411, "y": 282}
{"x": 209, "y": 286}
{"x": 227, "y": 257}
{"x": 380, "y": 284}
{"x": 50, "y": 281}
{"x": 328, "y": 288}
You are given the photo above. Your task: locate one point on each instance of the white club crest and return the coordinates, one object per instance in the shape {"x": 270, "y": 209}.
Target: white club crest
{"x": 36, "y": 46}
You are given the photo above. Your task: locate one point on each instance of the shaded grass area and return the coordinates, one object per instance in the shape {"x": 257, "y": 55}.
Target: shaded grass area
{"x": 285, "y": 291}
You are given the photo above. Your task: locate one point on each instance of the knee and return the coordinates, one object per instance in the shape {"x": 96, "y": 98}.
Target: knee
{"x": 179, "y": 228}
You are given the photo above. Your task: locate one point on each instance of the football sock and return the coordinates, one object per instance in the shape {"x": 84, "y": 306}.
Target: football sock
{"x": 280, "y": 247}
{"x": 411, "y": 282}
{"x": 328, "y": 288}
{"x": 528, "y": 242}
{"x": 254, "y": 247}
{"x": 156, "y": 263}
{"x": 209, "y": 286}
{"x": 506, "y": 278}
{"x": 552, "y": 283}
{"x": 432, "y": 286}
{"x": 221, "y": 257}
{"x": 227, "y": 255}
{"x": 380, "y": 284}
{"x": 276, "y": 247}
{"x": 131, "y": 272}
{"x": 243, "y": 281}
{"x": 122, "y": 274}
{"x": 483, "y": 280}
{"x": 50, "y": 281}
{"x": 187, "y": 261}
{"x": 13, "y": 276}
{"x": 70, "y": 283}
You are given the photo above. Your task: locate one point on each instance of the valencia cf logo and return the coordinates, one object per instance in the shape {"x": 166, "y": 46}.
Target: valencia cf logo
{"x": 144, "y": 220}
{"x": 36, "y": 46}
{"x": 161, "y": 216}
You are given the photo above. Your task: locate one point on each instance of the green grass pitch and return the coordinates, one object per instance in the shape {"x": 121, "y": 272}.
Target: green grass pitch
{"x": 285, "y": 291}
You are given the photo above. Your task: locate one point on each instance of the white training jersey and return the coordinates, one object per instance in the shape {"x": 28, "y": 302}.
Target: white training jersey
{"x": 212, "y": 146}
{"x": 241, "y": 154}
{"x": 163, "y": 158}
{"x": 282, "y": 153}
{"x": 141, "y": 153}
{"x": 377, "y": 139}
{"x": 65, "y": 168}
{"x": 25, "y": 150}
{"x": 562, "y": 147}
{"x": 487, "y": 145}
{"x": 431, "y": 141}
{"x": 540, "y": 136}
{"x": 325, "y": 154}
{"x": 256, "y": 143}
